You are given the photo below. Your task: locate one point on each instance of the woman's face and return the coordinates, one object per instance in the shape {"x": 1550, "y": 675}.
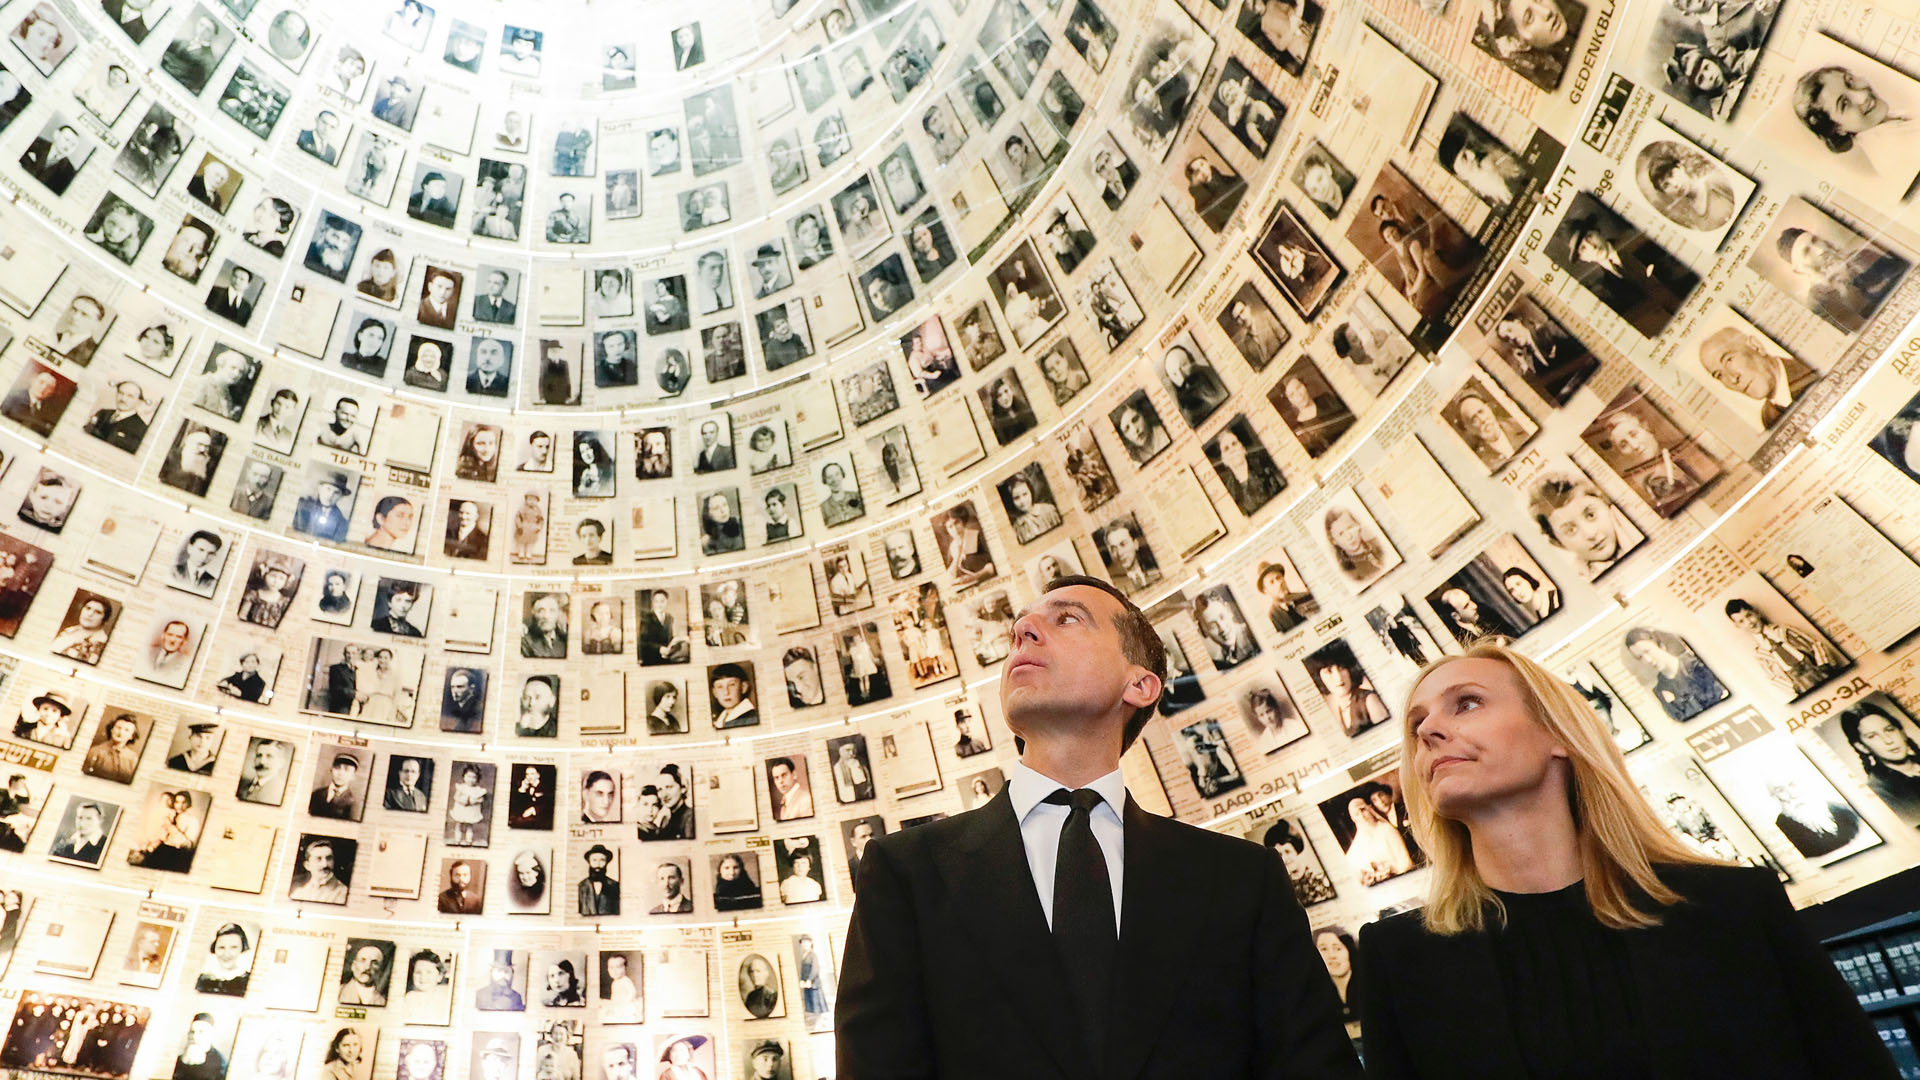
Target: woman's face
{"x": 1477, "y": 743}
{"x": 1265, "y": 714}
{"x": 1584, "y": 526}
{"x": 1233, "y": 452}
{"x": 350, "y": 1048}
{"x": 93, "y": 613}
{"x": 557, "y": 978}
{"x": 1333, "y": 952}
{"x": 426, "y": 974}
{"x": 372, "y": 338}
{"x": 1336, "y": 679}
{"x": 1346, "y": 534}
{"x": 486, "y": 444}
{"x": 383, "y": 272}
{"x": 227, "y": 949}
{"x": 420, "y": 1061}
{"x": 729, "y": 868}
{"x": 1297, "y": 395}
{"x": 1519, "y": 588}
{"x": 399, "y": 520}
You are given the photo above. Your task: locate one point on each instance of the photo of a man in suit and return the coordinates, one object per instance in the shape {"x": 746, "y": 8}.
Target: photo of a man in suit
{"x": 233, "y": 299}
{"x": 599, "y": 890}
{"x": 55, "y": 157}
{"x": 121, "y": 424}
{"x": 38, "y": 400}
{"x": 132, "y": 17}
{"x": 1038, "y": 957}
{"x": 494, "y": 305}
{"x": 341, "y": 796}
{"x": 407, "y": 785}
{"x": 1621, "y": 265}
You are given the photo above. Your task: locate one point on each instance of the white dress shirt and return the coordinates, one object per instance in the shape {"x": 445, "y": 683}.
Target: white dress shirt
{"x": 1041, "y": 822}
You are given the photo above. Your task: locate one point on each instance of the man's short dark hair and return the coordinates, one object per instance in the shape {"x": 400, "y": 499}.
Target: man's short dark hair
{"x": 1139, "y": 642}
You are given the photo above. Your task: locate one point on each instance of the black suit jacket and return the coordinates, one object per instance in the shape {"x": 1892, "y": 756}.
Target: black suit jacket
{"x": 1730, "y": 985}
{"x": 951, "y": 971}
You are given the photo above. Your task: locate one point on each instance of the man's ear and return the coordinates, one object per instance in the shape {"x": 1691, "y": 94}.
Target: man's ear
{"x": 1142, "y": 690}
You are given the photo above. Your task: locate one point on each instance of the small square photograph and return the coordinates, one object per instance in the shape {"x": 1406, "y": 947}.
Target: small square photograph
{"x": 1282, "y": 29}
{"x": 593, "y": 465}
{"x": 1370, "y": 823}
{"x": 1844, "y": 116}
{"x": 325, "y": 137}
{"x": 1138, "y": 424}
{"x": 1312, "y": 409}
{"x": 730, "y": 696}
{"x": 1209, "y": 761}
{"x": 117, "y": 743}
{"x": 800, "y": 864}
{"x": 1129, "y": 561}
{"x": 49, "y": 501}
{"x": 187, "y": 253}
{"x": 1574, "y": 515}
{"x": 338, "y": 596}
{"x": 463, "y": 700}
{"x": 121, "y": 231}
{"x": 86, "y": 628}
{"x": 1478, "y": 159}
{"x": 1667, "y": 667}
{"x": 463, "y": 891}
{"x": 253, "y": 100}
{"x": 704, "y": 207}
{"x": 401, "y": 607}
{"x": 666, "y": 704}
{"x": 663, "y": 151}
{"x": 604, "y": 632}
{"x": 85, "y": 828}
{"x": 409, "y": 785}
{"x": 469, "y": 528}
{"x": 1421, "y": 252}
{"x": 214, "y": 184}
{"x": 1247, "y": 108}
{"x": 1704, "y": 61}
{"x": 489, "y": 365}
{"x": 1257, "y": 332}
{"x": 1009, "y": 412}
{"x": 785, "y": 337}
{"x": 1487, "y": 420}
{"x": 264, "y": 771}
{"x": 167, "y": 651}
{"x": 1223, "y": 628}
{"x": 570, "y": 221}
{"x": 1300, "y": 266}
{"x": 39, "y": 398}
{"x": 1795, "y": 655}
{"x": 335, "y": 239}
{"x": 1745, "y": 370}
{"x": 470, "y": 804}
{"x": 190, "y": 59}
{"x": 435, "y": 195}
{"x": 789, "y": 788}
{"x": 1553, "y": 362}
{"x": 1107, "y": 301}
{"x": 1243, "y": 466}
{"x": 857, "y": 210}
{"x": 721, "y": 530}
{"x": 1770, "y": 781}
{"x": 1025, "y": 295}
{"x": 1662, "y": 463}
{"x": 1623, "y": 267}
{"x": 1683, "y": 183}
{"x": 1538, "y": 48}
{"x": 396, "y": 101}
{"x": 342, "y": 775}
{"x": 769, "y": 271}
{"x": 885, "y": 287}
{"x": 519, "y": 52}
{"x": 1502, "y": 593}
{"x": 863, "y": 674}
{"x": 1878, "y": 741}
{"x": 1195, "y": 384}
{"x": 1825, "y": 265}
{"x": 1290, "y": 602}
{"x": 831, "y": 140}
{"x": 1027, "y": 496}
{"x": 439, "y": 304}
{"x": 849, "y": 589}
{"x": 1354, "y": 542}
{"x": 1627, "y": 731}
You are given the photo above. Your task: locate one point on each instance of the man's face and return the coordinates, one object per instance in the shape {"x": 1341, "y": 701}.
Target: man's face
{"x": 440, "y": 289}
{"x": 489, "y": 355}
{"x": 461, "y": 686}
{"x": 319, "y": 862}
{"x": 1740, "y": 365}
{"x": 461, "y": 875}
{"x": 344, "y": 772}
{"x": 470, "y": 517}
{"x": 783, "y": 778}
{"x": 600, "y": 796}
{"x": 1067, "y": 666}
{"x": 42, "y": 387}
{"x": 1584, "y": 526}
{"x": 671, "y": 881}
{"x": 728, "y": 690}
{"x": 173, "y": 638}
{"x": 862, "y": 833}
{"x": 366, "y": 963}
{"x": 546, "y": 614}
{"x": 805, "y": 680}
{"x": 200, "y": 552}
{"x": 1123, "y": 547}
{"x": 409, "y": 773}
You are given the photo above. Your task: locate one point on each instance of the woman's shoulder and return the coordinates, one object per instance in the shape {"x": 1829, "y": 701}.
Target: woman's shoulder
{"x": 1399, "y": 931}
{"x": 1715, "y": 884}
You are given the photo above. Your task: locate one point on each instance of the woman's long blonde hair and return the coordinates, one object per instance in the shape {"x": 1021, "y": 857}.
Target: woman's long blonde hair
{"x": 1620, "y": 839}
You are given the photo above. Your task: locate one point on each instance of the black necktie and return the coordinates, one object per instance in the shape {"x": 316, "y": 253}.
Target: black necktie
{"x": 1083, "y": 924}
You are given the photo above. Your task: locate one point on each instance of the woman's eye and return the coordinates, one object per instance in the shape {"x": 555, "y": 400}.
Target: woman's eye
{"x": 1465, "y": 703}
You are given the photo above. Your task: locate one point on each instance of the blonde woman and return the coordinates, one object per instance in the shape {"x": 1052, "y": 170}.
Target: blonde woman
{"x": 1567, "y": 933}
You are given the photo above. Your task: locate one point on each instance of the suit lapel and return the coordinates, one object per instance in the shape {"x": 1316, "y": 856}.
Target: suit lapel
{"x": 992, "y": 886}
{"x": 1157, "y": 930}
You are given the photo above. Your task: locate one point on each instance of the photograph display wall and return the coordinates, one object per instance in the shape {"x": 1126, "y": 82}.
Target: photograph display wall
{"x": 500, "y": 507}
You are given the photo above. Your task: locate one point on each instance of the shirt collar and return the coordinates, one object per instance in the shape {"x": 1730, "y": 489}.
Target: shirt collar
{"x": 1028, "y": 787}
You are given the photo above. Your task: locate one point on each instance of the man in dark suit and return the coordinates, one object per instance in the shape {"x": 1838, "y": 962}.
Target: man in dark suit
{"x": 494, "y": 305}
{"x": 230, "y": 301}
{"x": 121, "y": 425}
{"x": 51, "y": 160}
{"x": 131, "y": 16}
{"x": 337, "y": 798}
{"x": 599, "y": 893}
{"x": 430, "y": 204}
{"x": 1625, "y": 268}
{"x": 1091, "y": 963}
{"x": 341, "y": 684}
{"x": 38, "y": 404}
